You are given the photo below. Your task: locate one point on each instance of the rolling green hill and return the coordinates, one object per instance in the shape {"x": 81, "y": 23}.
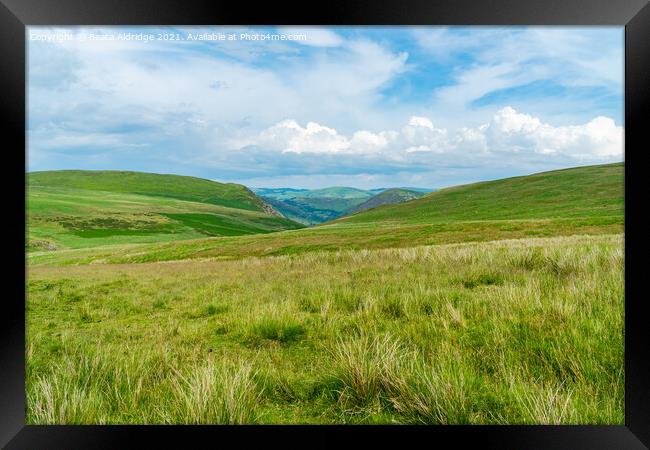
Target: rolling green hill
{"x": 75, "y": 209}
{"x": 579, "y": 201}
{"x": 387, "y": 197}
{"x": 154, "y": 185}
{"x": 593, "y": 191}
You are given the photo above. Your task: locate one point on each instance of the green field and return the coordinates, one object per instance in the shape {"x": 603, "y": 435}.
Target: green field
{"x": 498, "y": 302}
{"x": 75, "y": 209}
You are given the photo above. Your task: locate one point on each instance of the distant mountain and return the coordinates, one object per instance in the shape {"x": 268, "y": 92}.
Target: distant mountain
{"x": 278, "y": 193}
{"x": 387, "y": 197}
{"x": 414, "y": 189}
{"x": 338, "y": 192}
{"x": 314, "y": 206}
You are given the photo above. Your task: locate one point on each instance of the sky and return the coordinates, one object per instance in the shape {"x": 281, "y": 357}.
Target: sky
{"x": 311, "y": 107}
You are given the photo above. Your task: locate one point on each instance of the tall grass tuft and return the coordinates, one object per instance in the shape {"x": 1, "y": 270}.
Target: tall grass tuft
{"x": 367, "y": 370}
{"x": 219, "y": 395}
{"x": 276, "y": 327}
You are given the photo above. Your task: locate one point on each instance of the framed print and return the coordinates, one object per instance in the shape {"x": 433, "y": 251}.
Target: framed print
{"x": 391, "y": 220}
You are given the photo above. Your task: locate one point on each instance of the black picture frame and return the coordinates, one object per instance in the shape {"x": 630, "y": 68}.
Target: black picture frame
{"x": 15, "y": 15}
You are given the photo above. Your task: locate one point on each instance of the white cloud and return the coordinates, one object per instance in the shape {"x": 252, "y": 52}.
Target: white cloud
{"x": 289, "y": 136}
{"x": 512, "y": 131}
{"x": 423, "y": 122}
{"x": 508, "y": 132}
{"x": 367, "y": 142}
{"x": 419, "y": 135}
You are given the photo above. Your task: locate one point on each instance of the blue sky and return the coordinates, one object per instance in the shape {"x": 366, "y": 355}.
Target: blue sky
{"x": 357, "y": 106}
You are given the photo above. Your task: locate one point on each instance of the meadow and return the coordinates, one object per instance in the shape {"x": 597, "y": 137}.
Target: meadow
{"x": 522, "y": 331}
{"x": 455, "y": 308}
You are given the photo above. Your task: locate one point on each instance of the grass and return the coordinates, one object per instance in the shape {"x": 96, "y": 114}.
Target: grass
{"x": 334, "y": 237}
{"x": 177, "y": 187}
{"x": 60, "y": 218}
{"x": 518, "y": 331}
{"x": 592, "y": 191}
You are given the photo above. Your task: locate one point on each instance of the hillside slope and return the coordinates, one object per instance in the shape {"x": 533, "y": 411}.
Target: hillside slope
{"x": 74, "y": 209}
{"x": 593, "y": 191}
{"x": 580, "y": 201}
{"x": 387, "y": 197}
{"x": 152, "y": 184}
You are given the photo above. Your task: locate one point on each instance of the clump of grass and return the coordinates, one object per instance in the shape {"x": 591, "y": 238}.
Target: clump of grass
{"x": 527, "y": 259}
{"x": 212, "y": 309}
{"x": 209, "y": 310}
{"x": 60, "y": 400}
{"x": 221, "y": 329}
{"x": 278, "y": 328}
{"x": 159, "y": 304}
{"x": 561, "y": 267}
{"x": 437, "y": 393}
{"x": 367, "y": 369}
{"x": 484, "y": 279}
{"x": 309, "y": 304}
{"x": 346, "y": 299}
{"x": 69, "y": 296}
{"x": 547, "y": 403}
{"x": 87, "y": 315}
{"x": 382, "y": 376}
{"x": 217, "y": 395}
{"x": 392, "y": 307}
{"x": 85, "y": 387}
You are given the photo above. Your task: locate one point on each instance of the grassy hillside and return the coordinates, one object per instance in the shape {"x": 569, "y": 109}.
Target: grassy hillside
{"x": 151, "y": 184}
{"x": 85, "y": 209}
{"x": 581, "y": 201}
{"x": 594, "y": 191}
{"x": 387, "y": 197}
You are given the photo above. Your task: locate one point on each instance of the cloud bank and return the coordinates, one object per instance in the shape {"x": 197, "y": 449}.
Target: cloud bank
{"x": 508, "y": 132}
